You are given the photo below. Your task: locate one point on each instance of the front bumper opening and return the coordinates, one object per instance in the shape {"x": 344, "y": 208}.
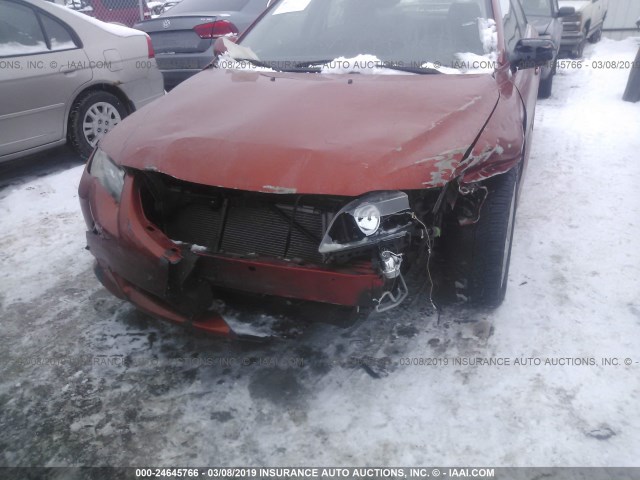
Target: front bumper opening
{"x": 237, "y": 223}
{"x": 217, "y": 239}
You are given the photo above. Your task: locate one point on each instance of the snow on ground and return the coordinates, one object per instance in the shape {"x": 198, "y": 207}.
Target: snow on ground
{"x": 42, "y": 223}
{"x": 121, "y": 389}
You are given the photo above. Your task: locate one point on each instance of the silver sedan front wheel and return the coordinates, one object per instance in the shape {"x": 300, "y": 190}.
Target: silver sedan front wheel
{"x": 99, "y": 119}
{"x": 93, "y": 115}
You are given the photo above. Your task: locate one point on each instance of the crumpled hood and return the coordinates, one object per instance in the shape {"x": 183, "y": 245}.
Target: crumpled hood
{"x": 308, "y": 133}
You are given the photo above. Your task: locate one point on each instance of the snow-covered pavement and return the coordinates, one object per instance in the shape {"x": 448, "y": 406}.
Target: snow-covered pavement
{"x": 86, "y": 380}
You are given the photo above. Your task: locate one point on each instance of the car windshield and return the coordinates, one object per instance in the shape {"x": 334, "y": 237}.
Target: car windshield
{"x": 537, "y": 7}
{"x": 401, "y": 34}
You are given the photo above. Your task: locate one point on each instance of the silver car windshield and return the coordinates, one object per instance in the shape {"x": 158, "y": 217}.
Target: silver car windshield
{"x": 396, "y": 32}
{"x": 537, "y": 8}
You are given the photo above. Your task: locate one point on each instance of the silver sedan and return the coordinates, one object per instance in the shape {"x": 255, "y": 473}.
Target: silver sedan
{"x": 65, "y": 76}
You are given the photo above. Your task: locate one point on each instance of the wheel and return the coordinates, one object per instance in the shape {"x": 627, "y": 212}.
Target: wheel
{"x": 546, "y": 84}
{"x": 596, "y": 37}
{"x": 478, "y": 263}
{"x": 579, "y": 51}
{"x": 93, "y": 114}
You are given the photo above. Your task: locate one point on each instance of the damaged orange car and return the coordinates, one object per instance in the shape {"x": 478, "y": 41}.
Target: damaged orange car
{"x": 324, "y": 154}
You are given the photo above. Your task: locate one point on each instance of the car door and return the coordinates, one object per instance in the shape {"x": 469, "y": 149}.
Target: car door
{"x": 43, "y": 65}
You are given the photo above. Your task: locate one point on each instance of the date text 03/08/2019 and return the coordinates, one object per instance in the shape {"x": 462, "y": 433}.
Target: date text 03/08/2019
{"x": 276, "y": 473}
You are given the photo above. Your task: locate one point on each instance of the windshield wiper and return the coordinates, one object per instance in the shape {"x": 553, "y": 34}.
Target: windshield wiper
{"x": 312, "y": 63}
{"x": 309, "y": 66}
{"x": 315, "y": 65}
{"x": 418, "y": 70}
{"x": 281, "y": 66}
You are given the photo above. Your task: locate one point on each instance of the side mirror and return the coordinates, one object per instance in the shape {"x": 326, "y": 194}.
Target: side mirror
{"x": 219, "y": 47}
{"x": 531, "y": 53}
{"x": 566, "y": 11}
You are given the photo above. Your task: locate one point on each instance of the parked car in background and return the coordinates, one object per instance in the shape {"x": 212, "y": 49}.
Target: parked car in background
{"x": 545, "y": 15}
{"x": 183, "y": 36}
{"x": 67, "y": 76}
{"x": 584, "y": 25}
{"x": 356, "y": 139}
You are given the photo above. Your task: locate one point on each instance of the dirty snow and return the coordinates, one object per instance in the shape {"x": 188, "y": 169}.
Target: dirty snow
{"x": 440, "y": 68}
{"x": 42, "y": 223}
{"x": 472, "y": 63}
{"x": 89, "y": 381}
{"x": 488, "y": 34}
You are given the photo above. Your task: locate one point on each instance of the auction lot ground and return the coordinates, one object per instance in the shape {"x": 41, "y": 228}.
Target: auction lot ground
{"x": 86, "y": 380}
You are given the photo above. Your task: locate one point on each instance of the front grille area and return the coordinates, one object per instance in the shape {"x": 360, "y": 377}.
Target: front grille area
{"x": 571, "y": 24}
{"x": 265, "y": 229}
{"x": 238, "y": 223}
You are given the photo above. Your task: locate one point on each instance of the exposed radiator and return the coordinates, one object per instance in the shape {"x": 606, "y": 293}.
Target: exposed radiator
{"x": 242, "y": 225}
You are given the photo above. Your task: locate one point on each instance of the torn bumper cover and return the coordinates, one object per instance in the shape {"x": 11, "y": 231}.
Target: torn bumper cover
{"x": 168, "y": 260}
{"x": 264, "y": 277}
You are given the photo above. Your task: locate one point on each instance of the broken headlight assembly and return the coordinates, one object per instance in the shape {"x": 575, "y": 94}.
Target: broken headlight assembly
{"x": 110, "y": 176}
{"x": 383, "y": 220}
{"x": 371, "y": 219}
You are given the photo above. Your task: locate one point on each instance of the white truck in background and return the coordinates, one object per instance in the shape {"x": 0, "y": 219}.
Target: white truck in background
{"x": 585, "y": 25}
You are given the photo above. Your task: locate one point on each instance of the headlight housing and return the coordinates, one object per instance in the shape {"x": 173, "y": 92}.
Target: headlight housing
{"x": 110, "y": 176}
{"x": 370, "y": 219}
{"x": 367, "y": 217}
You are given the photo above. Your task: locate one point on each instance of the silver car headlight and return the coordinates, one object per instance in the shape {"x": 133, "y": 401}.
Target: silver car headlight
{"x": 107, "y": 173}
{"x": 368, "y": 220}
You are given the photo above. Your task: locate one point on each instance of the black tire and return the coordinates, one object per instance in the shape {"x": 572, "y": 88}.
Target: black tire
{"x": 579, "y": 51}
{"x": 546, "y": 85}
{"x": 596, "y": 36}
{"x": 478, "y": 263}
{"x": 81, "y": 142}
